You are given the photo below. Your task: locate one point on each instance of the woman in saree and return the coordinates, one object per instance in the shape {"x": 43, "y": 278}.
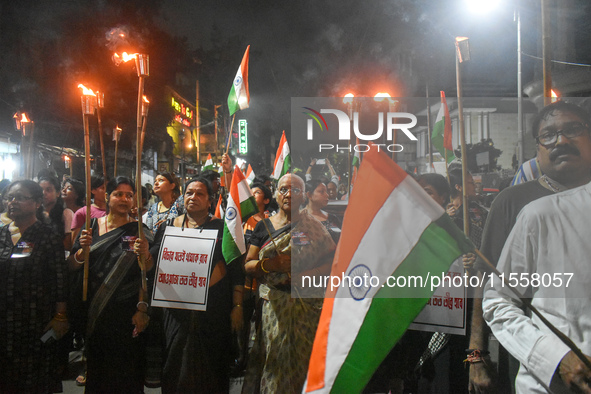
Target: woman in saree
{"x": 117, "y": 312}
{"x": 301, "y": 246}
{"x": 198, "y": 344}
{"x": 33, "y": 292}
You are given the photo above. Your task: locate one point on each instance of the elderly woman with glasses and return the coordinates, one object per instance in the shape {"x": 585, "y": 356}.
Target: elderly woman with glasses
{"x": 285, "y": 248}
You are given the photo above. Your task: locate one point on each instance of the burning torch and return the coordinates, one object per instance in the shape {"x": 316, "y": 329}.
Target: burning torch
{"x": 142, "y": 66}
{"x": 89, "y": 104}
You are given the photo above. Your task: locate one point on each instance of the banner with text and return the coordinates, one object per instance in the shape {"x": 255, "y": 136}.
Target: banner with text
{"x": 182, "y": 272}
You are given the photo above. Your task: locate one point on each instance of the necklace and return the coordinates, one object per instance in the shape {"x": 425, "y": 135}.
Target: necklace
{"x": 552, "y": 185}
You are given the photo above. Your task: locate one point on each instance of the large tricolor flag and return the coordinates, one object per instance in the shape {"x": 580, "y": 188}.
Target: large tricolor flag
{"x": 239, "y": 97}
{"x": 250, "y": 175}
{"x": 208, "y": 163}
{"x": 282, "y": 159}
{"x": 441, "y": 136}
{"x": 391, "y": 228}
{"x": 241, "y": 206}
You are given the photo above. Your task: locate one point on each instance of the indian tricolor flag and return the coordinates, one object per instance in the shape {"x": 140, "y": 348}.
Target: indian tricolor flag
{"x": 208, "y": 163}
{"x": 241, "y": 206}
{"x": 391, "y": 228}
{"x": 239, "y": 96}
{"x": 219, "y": 208}
{"x": 250, "y": 175}
{"x": 441, "y": 136}
{"x": 282, "y": 159}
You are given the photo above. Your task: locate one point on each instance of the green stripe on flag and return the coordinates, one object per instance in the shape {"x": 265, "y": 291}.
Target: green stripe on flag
{"x": 248, "y": 208}
{"x": 230, "y": 250}
{"x": 434, "y": 253}
{"x": 233, "y": 101}
{"x": 437, "y": 140}
{"x": 286, "y": 166}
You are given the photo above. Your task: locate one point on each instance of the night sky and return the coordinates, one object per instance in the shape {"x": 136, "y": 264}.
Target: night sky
{"x": 321, "y": 48}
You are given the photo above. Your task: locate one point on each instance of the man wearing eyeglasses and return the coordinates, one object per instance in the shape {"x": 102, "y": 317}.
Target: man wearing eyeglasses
{"x": 561, "y": 131}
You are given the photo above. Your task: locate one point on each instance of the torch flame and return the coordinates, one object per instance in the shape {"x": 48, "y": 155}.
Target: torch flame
{"x": 348, "y": 99}
{"x": 381, "y": 96}
{"x": 24, "y": 118}
{"x": 146, "y": 100}
{"x": 86, "y": 91}
{"x": 124, "y": 57}
{"x": 554, "y": 95}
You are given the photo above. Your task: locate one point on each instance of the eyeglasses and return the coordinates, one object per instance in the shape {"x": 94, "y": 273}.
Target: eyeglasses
{"x": 122, "y": 195}
{"x": 571, "y": 131}
{"x": 17, "y": 198}
{"x": 294, "y": 190}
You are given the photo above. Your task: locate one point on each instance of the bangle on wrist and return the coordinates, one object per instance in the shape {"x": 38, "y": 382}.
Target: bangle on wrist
{"x": 76, "y": 257}
{"x": 142, "y": 303}
{"x": 237, "y": 306}
{"x": 262, "y": 266}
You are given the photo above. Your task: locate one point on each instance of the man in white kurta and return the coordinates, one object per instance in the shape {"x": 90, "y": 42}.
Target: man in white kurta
{"x": 551, "y": 238}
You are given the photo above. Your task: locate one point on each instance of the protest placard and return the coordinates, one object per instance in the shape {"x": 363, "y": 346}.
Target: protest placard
{"x": 183, "y": 268}
{"x": 446, "y": 311}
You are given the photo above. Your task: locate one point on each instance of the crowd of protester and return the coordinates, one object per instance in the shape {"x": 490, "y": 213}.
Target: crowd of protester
{"x": 128, "y": 344}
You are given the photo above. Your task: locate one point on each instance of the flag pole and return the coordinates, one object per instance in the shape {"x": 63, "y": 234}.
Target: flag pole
{"x": 466, "y": 219}
{"x": 527, "y": 302}
{"x": 230, "y": 133}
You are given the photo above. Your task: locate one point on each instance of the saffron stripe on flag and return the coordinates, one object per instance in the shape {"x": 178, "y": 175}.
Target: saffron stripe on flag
{"x": 395, "y": 202}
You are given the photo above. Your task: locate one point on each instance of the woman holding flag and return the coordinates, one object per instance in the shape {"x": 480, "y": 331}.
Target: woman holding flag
{"x": 290, "y": 241}
{"x": 197, "y": 344}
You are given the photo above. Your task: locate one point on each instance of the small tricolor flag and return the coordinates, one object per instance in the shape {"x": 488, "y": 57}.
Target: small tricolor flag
{"x": 241, "y": 206}
{"x": 250, "y": 175}
{"x": 208, "y": 163}
{"x": 391, "y": 228}
{"x": 441, "y": 136}
{"x": 282, "y": 159}
{"x": 219, "y": 209}
{"x": 239, "y": 97}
